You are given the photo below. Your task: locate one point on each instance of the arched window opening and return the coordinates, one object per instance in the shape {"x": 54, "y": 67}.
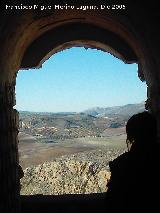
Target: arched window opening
{"x": 73, "y": 113}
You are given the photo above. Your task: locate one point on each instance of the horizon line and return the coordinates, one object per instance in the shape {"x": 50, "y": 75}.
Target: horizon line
{"x": 142, "y": 102}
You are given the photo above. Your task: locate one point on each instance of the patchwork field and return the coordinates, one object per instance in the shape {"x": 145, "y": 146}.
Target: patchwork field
{"x": 69, "y": 153}
{"x": 32, "y": 152}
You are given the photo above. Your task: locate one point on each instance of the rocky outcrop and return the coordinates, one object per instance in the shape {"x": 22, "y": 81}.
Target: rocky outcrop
{"x": 80, "y": 173}
{"x": 65, "y": 177}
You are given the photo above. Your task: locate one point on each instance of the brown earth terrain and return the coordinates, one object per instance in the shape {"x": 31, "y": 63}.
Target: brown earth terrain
{"x": 71, "y": 166}
{"x": 32, "y": 152}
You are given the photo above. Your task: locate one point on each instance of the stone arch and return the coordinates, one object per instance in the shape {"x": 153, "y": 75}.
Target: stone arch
{"x": 25, "y": 34}
{"x": 44, "y": 36}
{"x": 76, "y": 34}
{"x": 108, "y": 34}
{"x": 37, "y": 38}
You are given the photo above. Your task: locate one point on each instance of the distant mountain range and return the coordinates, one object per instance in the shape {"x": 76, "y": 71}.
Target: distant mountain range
{"x": 68, "y": 125}
{"x": 125, "y": 110}
{"x": 116, "y": 111}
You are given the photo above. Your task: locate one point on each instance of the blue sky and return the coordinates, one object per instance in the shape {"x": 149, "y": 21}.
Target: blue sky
{"x": 76, "y": 79}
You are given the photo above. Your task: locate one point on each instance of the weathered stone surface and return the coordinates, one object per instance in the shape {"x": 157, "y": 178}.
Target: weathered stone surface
{"x": 65, "y": 177}
{"x": 80, "y": 173}
{"x": 9, "y": 178}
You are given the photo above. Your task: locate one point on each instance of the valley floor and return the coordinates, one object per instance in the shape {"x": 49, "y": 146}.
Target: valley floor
{"x": 72, "y": 166}
{"x": 32, "y": 152}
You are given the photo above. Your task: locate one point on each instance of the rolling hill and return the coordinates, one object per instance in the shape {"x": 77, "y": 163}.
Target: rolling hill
{"x": 126, "y": 110}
